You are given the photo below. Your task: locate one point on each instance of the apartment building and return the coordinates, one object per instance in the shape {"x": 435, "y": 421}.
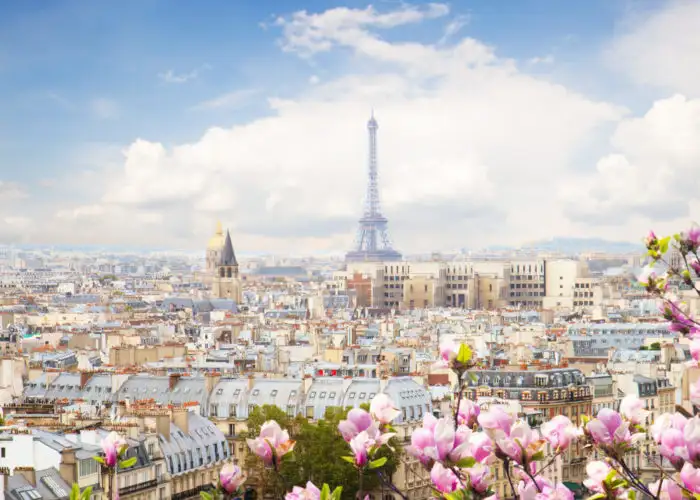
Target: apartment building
{"x": 527, "y": 284}
{"x": 540, "y": 393}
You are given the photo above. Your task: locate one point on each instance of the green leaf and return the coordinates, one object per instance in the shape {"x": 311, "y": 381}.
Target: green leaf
{"x": 538, "y": 456}
{"x": 611, "y": 475}
{"x": 663, "y": 244}
{"x": 122, "y": 450}
{"x": 205, "y": 495}
{"x": 472, "y": 377}
{"x": 349, "y": 459}
{"x": 100, "y": 460}
{"x": 464, "y": 355}
{"x": 75, "y": 492}
{"x": 375, "y": 464}
{"x": 337, "y": 493}
{"x": 325, "y": 492}
{"x": 87, "y": 492}
{"x": 632, "y": 494}
{"x": 597, "y": 496}
{"x": 129, "y": 462}
{"x": 466, "y": 462}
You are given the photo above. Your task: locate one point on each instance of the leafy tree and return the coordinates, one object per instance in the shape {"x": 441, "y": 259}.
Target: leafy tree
{"x": 655, "y": 346}
{"x": 317, "y": 453}
{"x": 316, "y": 456}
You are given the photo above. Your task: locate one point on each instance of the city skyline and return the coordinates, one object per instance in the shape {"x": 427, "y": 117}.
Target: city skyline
{"x": 162, "y": 126}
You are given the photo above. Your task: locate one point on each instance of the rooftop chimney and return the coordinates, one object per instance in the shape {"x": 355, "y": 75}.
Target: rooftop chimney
{"x": 174, "y": 378}
{"x": 29, "y": 474}
{"x": 84, "y": 378}
{"x": 180, "y": 418}
{"x": 163, "y": 425}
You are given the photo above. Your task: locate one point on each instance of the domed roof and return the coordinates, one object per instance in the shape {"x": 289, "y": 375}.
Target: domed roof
{"x": 216, "y": 242}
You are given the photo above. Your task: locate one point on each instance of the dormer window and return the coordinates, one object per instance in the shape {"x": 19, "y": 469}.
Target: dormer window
{"x": 256, "y": 392}
{"x": 312, "y": 394}
{"x": 322, "y": 395}
{"x": 362, "y": 395}
{"x": 351, "y": 395}
{"x": 273, "y": 393}
{"x": 219, "y": 392}
{"x": 332, "y": 395}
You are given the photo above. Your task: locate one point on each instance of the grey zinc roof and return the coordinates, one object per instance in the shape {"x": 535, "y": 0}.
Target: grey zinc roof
{"x": 203, "y": 445}
{"x": 411, "y": 398}
{"x": 145, "y": 386}
{"x": 49, "y": 485}
{"x": 285, "y": 394}
{"x": 323, "y": 393}
{"x": 229, "y": 398}
{"x": 360, "y": 391}
{"x": 562, "y": 377}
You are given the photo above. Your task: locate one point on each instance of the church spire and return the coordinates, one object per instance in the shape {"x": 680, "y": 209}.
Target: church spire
{"x": 228, "y": 257}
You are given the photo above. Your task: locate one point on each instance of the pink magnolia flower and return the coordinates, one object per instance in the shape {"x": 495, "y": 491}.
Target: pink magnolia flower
{"x": 360, "y": 446}
{"x": 231, "y": 478}
{"x": 691, "y": 439}
{"x": 528, "y": 490}
{"x": 111, "y": 447}
{"x": 272, "y": 443}
{"x": 496, "y": 419}
{"x": 632, "y": 408}
{"x": 560, "y": 432}
{"x": 650, "y": 240}
{"x": 479, "y": 477}
{"x": 448, "y": 354}
{"x": 669, "y": 490}
{"x": 481, "y": 447}
{"x": 608, "y": 429}
{"x": 690, "y": 476}
{"x": 438, "y": 440}
{"x": 695, "y": 393}
{"x": 673, "y": 447}
{"x": 443, "y": 478}
{"x": 680, "y": 321}
{"x": 383, "y": 409}
{"x": 691, "y": 238}
{"x": 667, "y": 421}
{"x": 468, "y": 413}
{"x": 311, "y": 492}
{"x": 521, "y": 444}
{"x": 358, "y": 420}
{"x": 695, "y": 266}
{"x": 597, "y": 472}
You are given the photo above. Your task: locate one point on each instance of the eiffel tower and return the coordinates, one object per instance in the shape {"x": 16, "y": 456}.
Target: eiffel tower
{"x": 372, "y": 243}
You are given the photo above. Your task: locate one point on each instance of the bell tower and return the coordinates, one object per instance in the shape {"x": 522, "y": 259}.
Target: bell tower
{"x": 227, "y": 282}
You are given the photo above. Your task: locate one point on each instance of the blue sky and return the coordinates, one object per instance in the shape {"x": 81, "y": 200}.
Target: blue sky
{"x": 81, "y": 81}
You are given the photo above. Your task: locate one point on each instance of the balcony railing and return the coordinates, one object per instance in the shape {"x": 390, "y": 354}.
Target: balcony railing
{"x": 127, "y": 490}
{"x": 193, "y": 493}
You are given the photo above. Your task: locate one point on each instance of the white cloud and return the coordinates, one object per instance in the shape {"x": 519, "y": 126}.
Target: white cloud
{"x": 651, "y": 171}
{"x": 662, "y": 48}
{"x": 233, "y": 99}
{"x": 308, "y": 34}
{"x": 171, "y": 76}
{"x": 104, "y": 108}
{"x": 314, "y": 80}
{"x": 11, "y": 191}
{"x": 454, "y": 27}
{"x": 548, "y": 59}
